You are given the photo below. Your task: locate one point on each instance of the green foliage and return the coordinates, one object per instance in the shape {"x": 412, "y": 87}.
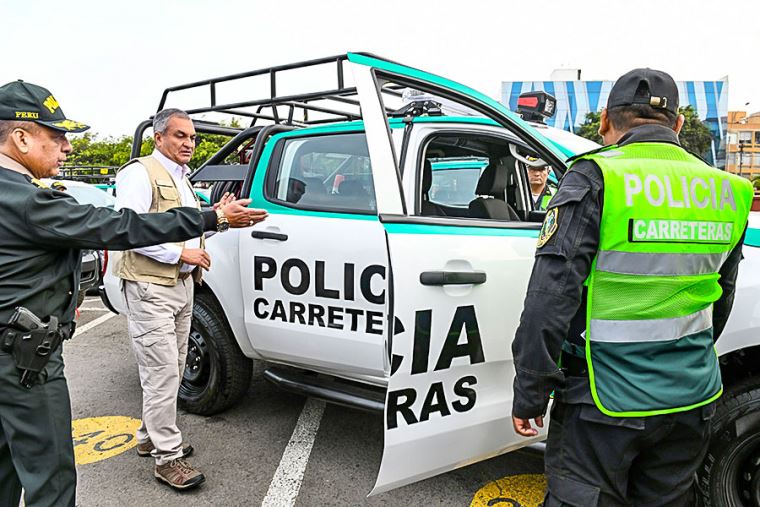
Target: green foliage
{"x": 590, "y": 128}
{"x": 89, "y": 150}
{"x": 756, "y": 183}
{"x": 695, "y": 135}
{"x": 205, "y": 146}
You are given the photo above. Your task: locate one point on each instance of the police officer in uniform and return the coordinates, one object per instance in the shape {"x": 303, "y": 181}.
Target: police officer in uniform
{"x": 41, "y": 232}
{"x": 541, "y": 191}
{"x": 637, "y": 259}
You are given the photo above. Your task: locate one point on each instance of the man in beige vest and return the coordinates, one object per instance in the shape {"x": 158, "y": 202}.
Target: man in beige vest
{"x": 158, "y": 286}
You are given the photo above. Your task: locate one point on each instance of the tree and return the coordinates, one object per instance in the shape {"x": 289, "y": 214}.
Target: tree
{"x": 89, "y": 150}
{"x": 590, "y": 128}
{"x": 695, "y": 135}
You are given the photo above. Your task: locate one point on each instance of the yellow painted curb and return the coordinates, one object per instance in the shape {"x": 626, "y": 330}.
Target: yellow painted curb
{"x": 513, "y": 491}
{"x": 99, "y": 438}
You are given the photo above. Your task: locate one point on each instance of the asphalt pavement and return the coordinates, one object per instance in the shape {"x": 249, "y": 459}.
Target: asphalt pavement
{"x": 246, "y": 451}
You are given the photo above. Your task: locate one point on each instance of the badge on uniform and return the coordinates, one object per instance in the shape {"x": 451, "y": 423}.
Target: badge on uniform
{"x": 549, "y": 227}
{"x": 39, "y": 184}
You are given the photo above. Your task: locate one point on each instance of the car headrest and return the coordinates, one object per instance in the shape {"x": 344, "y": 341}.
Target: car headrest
{"x": 427, "y": 177}
{"x": 493, "y": 181}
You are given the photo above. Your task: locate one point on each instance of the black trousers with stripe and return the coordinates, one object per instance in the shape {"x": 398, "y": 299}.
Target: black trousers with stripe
{"x": 36, "y": 450}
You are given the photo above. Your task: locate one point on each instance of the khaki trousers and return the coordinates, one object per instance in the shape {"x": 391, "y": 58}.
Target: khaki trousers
{"x": 159, "y": 325}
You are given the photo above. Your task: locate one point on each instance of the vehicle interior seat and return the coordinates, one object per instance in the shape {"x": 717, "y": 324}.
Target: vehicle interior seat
{"x": 490, "y": 203}
{"x": 354, "y": 194}
{"x": 429, "y": 208}
{"x": 314, "y": 185}
{"x": 353, "y": 188}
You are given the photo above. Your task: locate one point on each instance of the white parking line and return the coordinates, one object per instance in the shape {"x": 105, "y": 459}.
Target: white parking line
{"x": 286, "y": 483}
{"x": 96, "y": 322}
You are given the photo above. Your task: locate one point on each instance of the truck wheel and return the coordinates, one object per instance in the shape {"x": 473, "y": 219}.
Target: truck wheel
{"x": 217, "y": 374}
{"x": 730, "y": 474}
{"x": 80, "y": 298}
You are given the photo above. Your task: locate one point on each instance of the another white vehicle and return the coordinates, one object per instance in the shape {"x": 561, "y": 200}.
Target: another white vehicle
{"x": 371, "y": 287}
{"x": 91, "y": 270}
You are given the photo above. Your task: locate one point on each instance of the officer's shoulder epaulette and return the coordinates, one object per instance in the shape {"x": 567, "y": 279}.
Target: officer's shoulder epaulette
{"x": 39, "y": 184}
{"x": 591, "y": 152}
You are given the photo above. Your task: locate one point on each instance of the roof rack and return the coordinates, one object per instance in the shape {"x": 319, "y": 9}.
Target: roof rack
{"x": 336, "y": 103}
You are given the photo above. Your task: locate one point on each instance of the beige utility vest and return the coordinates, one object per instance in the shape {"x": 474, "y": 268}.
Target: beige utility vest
{"x": 140, "y": 268}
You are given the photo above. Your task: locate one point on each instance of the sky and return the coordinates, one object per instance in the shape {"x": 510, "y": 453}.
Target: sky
{"x": 107, "y": 62}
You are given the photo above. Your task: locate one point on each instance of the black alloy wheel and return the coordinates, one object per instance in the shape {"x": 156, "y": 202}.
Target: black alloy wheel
{"x": 730, "y": 474}
{"x": 743, "y": 472}
{"x": 217, "y": 374}
{"x": 197, "y": 367}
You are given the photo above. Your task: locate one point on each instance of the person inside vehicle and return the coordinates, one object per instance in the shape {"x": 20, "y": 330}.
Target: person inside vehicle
{"x": 541, "y": 191}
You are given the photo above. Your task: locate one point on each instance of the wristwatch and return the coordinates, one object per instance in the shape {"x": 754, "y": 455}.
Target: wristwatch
{"x": 222, "y": 224}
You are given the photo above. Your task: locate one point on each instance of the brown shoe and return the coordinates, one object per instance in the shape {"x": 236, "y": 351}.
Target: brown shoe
{"x": 144, "y": 449}
{"x": 179, "y": 474}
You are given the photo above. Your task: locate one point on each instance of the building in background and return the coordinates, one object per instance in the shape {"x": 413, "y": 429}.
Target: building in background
{"x": 743, "y": 143}
{"x": 576, "y": 98}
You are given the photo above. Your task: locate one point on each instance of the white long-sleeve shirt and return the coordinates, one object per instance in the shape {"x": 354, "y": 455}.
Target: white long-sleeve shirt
{"x": 133, "y": 191}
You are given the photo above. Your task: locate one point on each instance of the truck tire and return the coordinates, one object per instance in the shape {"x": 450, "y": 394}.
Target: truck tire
{"x": 730, "y": 473}
{"x": 80, "y": 297}
{"x": 217, "y": 374}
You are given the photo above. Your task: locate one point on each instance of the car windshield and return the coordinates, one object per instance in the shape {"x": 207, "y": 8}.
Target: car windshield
{"x": 91, "y": 195}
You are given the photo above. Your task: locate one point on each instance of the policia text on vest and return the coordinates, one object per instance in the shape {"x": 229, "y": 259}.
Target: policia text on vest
{"x": 665, "y": 232}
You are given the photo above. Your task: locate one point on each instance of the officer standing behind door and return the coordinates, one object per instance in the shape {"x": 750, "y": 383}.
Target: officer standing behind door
{"x": 541, "y": 192}
{"x": 637, "y": 259}
{"x": 41, "y": 234}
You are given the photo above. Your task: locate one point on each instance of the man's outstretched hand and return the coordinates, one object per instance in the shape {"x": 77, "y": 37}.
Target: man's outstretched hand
{"x": 238, "y": 213}
{"x": 226, "y": 199}
{"x": 523, "y": 427}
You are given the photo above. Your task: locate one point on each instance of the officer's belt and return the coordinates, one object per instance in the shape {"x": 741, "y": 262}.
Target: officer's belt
{"x": 574, "y": 359}
{"x": 574, "y": 366}
{"x": 66, "y": 330}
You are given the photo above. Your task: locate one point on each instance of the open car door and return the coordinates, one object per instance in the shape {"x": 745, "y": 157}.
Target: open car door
{"x": 456, "y": 296}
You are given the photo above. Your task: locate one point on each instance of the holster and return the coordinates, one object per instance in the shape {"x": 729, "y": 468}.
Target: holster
{"x": 32, "y": 342}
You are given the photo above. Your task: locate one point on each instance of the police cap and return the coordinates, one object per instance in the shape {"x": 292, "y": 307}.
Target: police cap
{"x": 22, "y": 101}
{"x": 645, "y": 86}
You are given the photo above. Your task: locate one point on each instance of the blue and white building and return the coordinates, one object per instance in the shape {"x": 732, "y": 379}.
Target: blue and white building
{"x": 577, "y": 98}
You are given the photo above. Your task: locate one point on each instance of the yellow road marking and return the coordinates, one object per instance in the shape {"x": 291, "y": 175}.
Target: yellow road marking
{"x": 513, "y": 491}
{"x": 99, "y": 438}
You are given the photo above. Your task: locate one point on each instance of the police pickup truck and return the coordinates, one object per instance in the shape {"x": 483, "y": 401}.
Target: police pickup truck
{"x": 391, "y": 272}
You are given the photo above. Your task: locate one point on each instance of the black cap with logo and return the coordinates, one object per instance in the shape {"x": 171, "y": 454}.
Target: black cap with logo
{"x": 22, "y": 101}
{"x": 645, "y": 86}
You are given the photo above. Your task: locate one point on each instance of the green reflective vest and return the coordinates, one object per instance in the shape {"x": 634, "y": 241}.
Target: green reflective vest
{"x": 546, "y": 198}
{"x": 668, "y": 223}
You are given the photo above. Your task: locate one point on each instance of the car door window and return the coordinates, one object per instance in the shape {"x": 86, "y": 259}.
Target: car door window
{"x": 469, "y": 175}
{"x": 323, "y": 173}
{"x": 454, "y": 179}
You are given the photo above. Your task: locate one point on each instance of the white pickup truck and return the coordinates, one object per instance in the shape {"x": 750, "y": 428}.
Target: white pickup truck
{"x": 391, "y": 272}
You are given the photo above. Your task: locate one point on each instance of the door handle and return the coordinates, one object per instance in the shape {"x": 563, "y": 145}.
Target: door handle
{"x": 269, "y": 235}
{"x": 452, "y": 277}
